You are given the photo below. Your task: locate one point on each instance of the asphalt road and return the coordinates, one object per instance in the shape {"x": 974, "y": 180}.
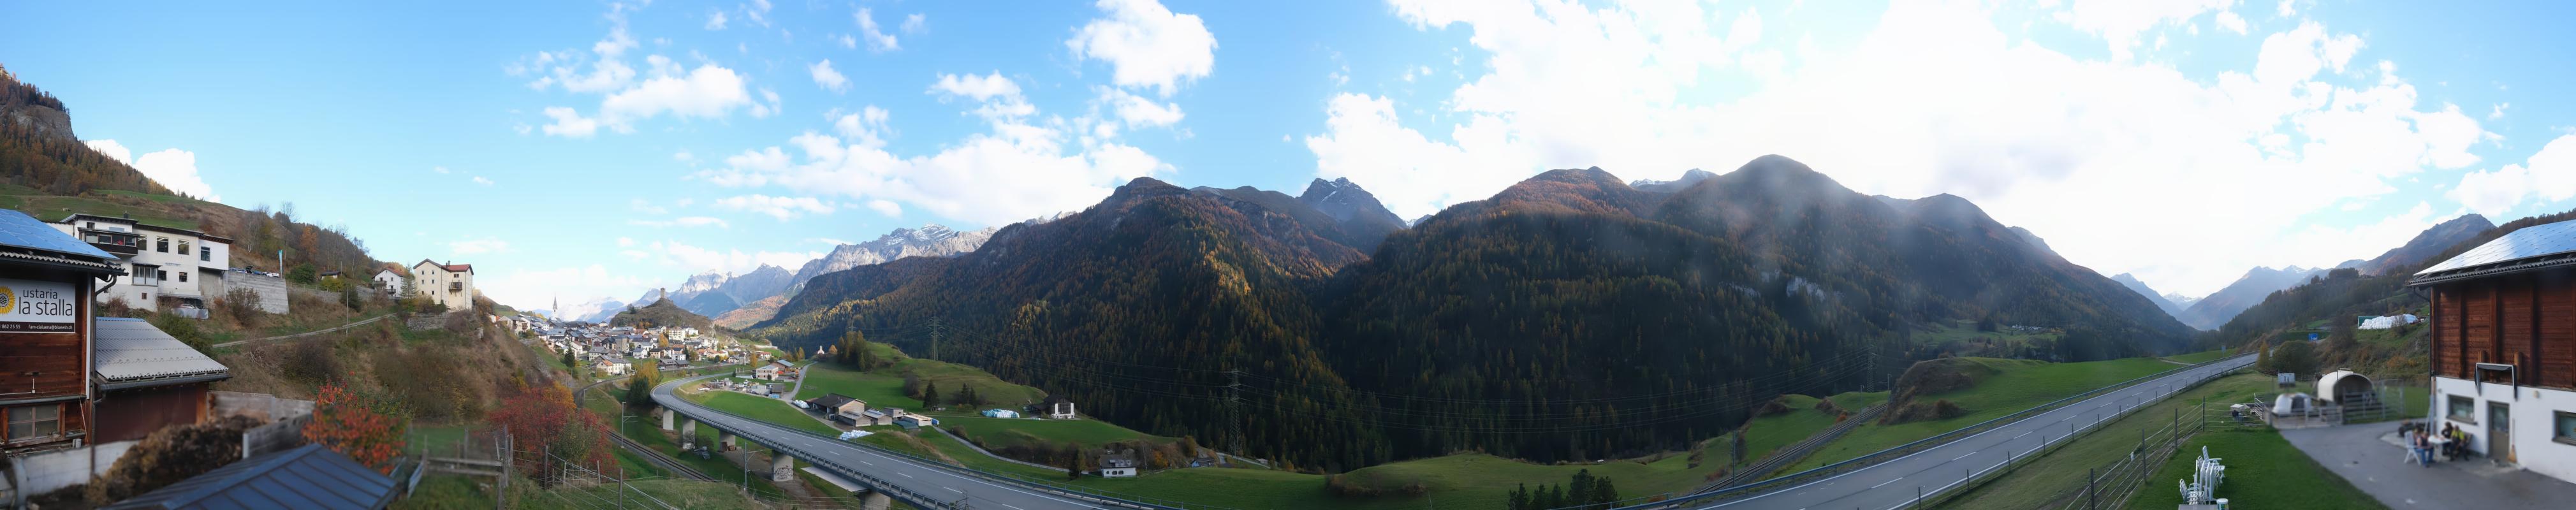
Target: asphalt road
{"x": 1894, "y": 484}
{"x": 937, "y": 483}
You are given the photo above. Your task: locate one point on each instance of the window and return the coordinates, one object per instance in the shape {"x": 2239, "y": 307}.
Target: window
{"x": 35, "y": 422}
{"x": 160, "y": 274}
{"x": 183, "y": 277}
{"x": 2464, "y": 409}
{"x": 92, "y": 225}
{"x": 205, "y": 254}
{"x": 2565, "y": 428}
{"x": 144, "y": 275}
{"x": 183, "y": 248}
{"x": 161, "y": 244}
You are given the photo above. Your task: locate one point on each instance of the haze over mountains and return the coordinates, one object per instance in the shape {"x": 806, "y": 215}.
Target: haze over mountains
{"x": 2212, "y": 311}
{"x": 715, "y": 294}
{"x": 1571, "y": 286}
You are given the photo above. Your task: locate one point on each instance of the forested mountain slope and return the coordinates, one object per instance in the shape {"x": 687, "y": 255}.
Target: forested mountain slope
{"x": 1569, "y": 316}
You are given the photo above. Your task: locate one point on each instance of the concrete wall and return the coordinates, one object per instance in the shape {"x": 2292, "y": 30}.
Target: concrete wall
{"x": 51, "y": 471}
{"x": 271, "y": 289}
{"x": 262, "y": 406}
{"x": 2534, "y": 422}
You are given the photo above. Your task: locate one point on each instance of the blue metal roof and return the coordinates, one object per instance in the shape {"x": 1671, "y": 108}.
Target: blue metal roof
{"x": 2528, "y": 248}
{"x": 308, "y": 476}
{"x": 17, "y": 229}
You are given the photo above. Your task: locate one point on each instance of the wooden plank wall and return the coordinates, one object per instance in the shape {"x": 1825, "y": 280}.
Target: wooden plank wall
{"x": 2529, "y": 322}
{"x": 2557, "y": 342}
{"x": 2514, "y": 299}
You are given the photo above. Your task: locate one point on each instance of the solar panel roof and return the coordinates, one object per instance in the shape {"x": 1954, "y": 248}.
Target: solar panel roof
{"x": 2529, "y": 242}
{"x": 20, "y": 230}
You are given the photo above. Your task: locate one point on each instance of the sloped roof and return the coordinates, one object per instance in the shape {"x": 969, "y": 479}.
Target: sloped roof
{"x": 452, "y": 268}
{"x": 130, "y": 353}
{"x": 39, "y": 241}
{"x": 2533, "y": 247}
{"x": 308, "y": 476}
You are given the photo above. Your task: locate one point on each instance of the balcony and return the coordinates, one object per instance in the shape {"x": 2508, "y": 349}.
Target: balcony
{"x": 121, "y": 243}
{"x": 455, "y": 286}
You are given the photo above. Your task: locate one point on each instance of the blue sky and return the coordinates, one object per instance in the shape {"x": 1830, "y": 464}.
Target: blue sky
{"x": 595, "y": 149}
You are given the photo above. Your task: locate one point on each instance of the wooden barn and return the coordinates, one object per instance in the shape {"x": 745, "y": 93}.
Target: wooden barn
{"x": 2504, "y": 346}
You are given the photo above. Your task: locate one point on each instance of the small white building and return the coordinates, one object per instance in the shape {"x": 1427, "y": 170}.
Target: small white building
{"x": 390, "y": 280}
{"x": 609, "y": 367}
{"x": 1059, "y": 409}
{"x": 1117, "y": 464}
{"x": 914, "y": 421}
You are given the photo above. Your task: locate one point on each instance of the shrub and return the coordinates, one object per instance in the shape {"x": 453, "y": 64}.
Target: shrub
{"x": 241, "y": 305}
{"x": 115, "y": 307}
{"x": 188, "y": 331}
{"x": 169, "y": 455}
{"x": 311, "y": 361}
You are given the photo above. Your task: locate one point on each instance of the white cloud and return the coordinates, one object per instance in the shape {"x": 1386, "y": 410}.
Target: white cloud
{"x": 2498, "y": 112}
{"x": 846, "y": 41}
{"x": 1019, "y": 168}
{"x": 981, "y": 88}
{"x": 706, "y": 92}
{"x": 684, "y": 221}
{"x": 878, "y": 40}
{"x": 758, "y": 12}
{"x": 171, "y": 168}
{"x": 623, "y": 242}
{"x": 2069, "y": 147}
{"x": 2119, "y": 22}
{"x": 684, "y": 155}
{"x": 480, "y": 180}
{"x": 646, "y": 206}
{"x": 1146, "y": 44}
{"x": 866, "y": 127}
{"x": 1137, "y": 111}
{"x": 2232, "y": 22}
{"x": 915, "y": 23}
{"x": 828, "y": 78}
{"x": 569, "y": 124}
{"x": 886, "y": 207}
{"x": 2549, "y": 175}
{"x": 715, "y": 20}
{"x": 783, "y": 208}
{"x": 439, "y": 169}
{"x": 478, "y": 246}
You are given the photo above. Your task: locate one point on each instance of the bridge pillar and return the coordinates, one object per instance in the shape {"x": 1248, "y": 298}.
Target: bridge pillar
{"x": 725, "y": 439}
{"x": 873, "y": 500}
{"x": 688, "y": 434}
{"x": 665, "y": 413}
{"x": 782, "y": 467}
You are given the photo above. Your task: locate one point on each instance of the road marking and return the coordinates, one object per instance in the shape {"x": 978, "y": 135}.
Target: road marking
{"x": 952, "y": 489}
{"x": 1964, "y": 456}
{"x": 905, "y": 475}
{"x": 1884, "y": 484}
{"x": 868, "y": 463}
{"x": 2024, "y": 433}
{"x": 1013, "y": 507}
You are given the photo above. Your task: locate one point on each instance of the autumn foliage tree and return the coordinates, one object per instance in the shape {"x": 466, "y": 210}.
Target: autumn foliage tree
{"x": 360, "y": 425}
{"x": 543, "y": 415}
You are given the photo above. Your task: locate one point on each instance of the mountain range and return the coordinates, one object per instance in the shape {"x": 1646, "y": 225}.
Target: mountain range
{"x": 758, "y": 293}
{"x": 1669, "y": 310}
{"x": 2212, "y": 311}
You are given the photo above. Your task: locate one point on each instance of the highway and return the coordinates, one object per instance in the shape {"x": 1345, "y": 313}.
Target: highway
{"x": 941, "y": 486}
{"x": 1895, "y": 483}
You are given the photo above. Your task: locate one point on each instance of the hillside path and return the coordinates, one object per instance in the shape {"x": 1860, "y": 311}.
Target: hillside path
{"x": 369, "y": 320}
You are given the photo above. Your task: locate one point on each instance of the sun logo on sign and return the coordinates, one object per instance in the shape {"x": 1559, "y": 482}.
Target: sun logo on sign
{"x": 8, "y": 299}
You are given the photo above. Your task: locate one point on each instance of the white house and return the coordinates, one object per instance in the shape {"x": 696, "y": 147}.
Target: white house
{"x": 776, "y": 370}
{"x": 449, "y": 285}
{"x": 609, "y": 367}
{"x": 1117, "y": 464}
{"x": 2504, "y": 368}
{"x": 389, "y": 280}
{"x": 1058, "y": 409}
{"x": 165, "y": 266}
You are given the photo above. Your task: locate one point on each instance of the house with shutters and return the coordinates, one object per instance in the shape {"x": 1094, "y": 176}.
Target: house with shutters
{"x": 165, "y": 267}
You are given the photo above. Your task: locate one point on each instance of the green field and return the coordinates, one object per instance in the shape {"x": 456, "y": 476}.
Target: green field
{"x": 2263, "y": 471}
{"x": 1768, "y": 433}
{"x": 763, "y": 409}
{"x": 1002, "y": 432}
{"x": 2058, "y": 472}
{"x": 2015, "y": 386}
{"x": 54, "y": 208}
{"x": 883, "y": 387}
{"x": 1961, "y": 338}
